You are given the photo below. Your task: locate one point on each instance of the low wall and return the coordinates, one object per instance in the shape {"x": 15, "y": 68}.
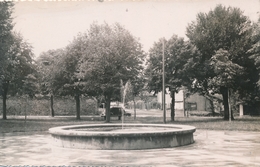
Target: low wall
{"x": 131, "y": 137}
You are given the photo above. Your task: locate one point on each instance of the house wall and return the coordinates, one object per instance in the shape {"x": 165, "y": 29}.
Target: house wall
{"x": 201, "y": 101}
{"x": 168, "y": 99}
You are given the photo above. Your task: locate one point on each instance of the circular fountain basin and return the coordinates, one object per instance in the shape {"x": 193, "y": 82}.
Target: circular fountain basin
{"x": 126, "y": 137}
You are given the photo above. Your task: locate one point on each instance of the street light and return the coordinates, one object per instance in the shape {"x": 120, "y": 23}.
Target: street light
{"x": 163, "y": 85}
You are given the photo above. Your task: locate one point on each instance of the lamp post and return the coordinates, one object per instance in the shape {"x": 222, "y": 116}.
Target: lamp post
{"x": 163, "y": 85}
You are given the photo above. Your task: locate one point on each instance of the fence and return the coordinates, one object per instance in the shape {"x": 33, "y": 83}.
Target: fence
{"x": 41, "y": 106}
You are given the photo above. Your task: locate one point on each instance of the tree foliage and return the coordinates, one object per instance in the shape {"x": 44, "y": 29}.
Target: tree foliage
{"x": 47, "y": 64}
{"x": 6, "y": 27}
{"x": 222, "y": 37}
{"x": 21, "y": 66}
{"x": 253, "y": 95}
{"x": 111, "y": 54}
{"x": 255, "y": 50}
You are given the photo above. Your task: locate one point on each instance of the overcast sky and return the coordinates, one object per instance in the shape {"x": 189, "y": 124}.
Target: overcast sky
{"x": 52, "y": 25}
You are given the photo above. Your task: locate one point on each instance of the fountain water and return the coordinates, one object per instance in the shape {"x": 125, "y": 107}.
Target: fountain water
{"x": 124, "y": 90}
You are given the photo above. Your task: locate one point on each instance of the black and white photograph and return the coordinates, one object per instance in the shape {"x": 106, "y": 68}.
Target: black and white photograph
{"x": 147, "y": 83}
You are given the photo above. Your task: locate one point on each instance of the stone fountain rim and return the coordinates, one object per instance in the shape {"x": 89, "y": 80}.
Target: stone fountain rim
{"x": 68, "y": 130}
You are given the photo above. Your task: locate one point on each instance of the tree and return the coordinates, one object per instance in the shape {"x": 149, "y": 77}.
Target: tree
{"x": 6, "y": 27}
{"x": 112, "y": 54}
{"x": 47, "y": 64}
{"x": 68, "y": 73}
{"x": 177, "y": 52}
{"x": 253, "y": 96}
{"x": 222, "y": 37}
{"x": 65, "y": 78}
{"x": 255, "y": 50}
{"x": 226, "y": 75}
{"x": 16, "y": 61}
{"x": 18, "y": 68}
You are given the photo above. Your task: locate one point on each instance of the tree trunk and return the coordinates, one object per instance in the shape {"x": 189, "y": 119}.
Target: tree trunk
{"x": 224, "y": 92}
{"x": 51, "y": 106}
{"x": 5, "y": 90}
{"x": 231, "y": 117}
{"x": 77, "y": 106}
{"x": 107, "y": 105}
{"x": 134, "y": 109}
{"x": 26, "y": 108}
{"x": 172, "y": 105}
{"x": 4, "y": 106}
{"x": 184, "y": 97}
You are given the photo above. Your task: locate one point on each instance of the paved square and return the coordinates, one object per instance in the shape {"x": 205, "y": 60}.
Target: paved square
{"x": 211, "y": 148}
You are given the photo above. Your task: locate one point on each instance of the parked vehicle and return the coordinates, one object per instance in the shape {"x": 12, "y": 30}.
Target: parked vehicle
{"x": 116, "y": 111}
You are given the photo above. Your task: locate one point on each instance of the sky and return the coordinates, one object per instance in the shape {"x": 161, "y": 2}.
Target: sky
{"x": 53, "y": 24}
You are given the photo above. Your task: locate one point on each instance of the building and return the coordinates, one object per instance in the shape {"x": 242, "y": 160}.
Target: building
{"x": 193, "y": 102}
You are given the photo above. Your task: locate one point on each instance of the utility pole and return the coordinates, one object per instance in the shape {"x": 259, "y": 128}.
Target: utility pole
{"x": 184, "y": 112}
{"x": 163, "y": 85}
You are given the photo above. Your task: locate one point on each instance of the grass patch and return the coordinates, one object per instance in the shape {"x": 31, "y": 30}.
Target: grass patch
{"x": 39, "y": 123}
